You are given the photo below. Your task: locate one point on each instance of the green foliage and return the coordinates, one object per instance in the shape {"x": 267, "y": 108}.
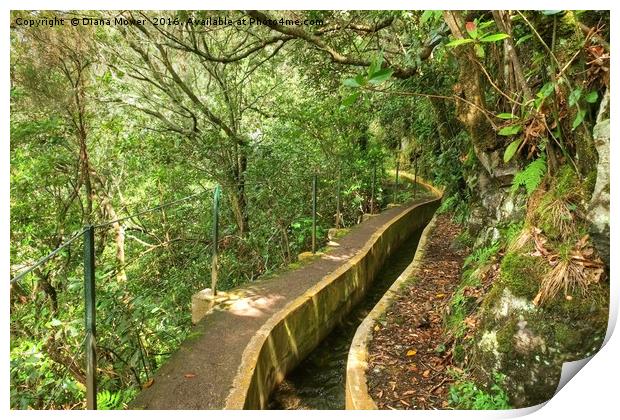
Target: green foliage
{"x": 477, "y": 36}
{"x": 506, "y": 116}
{"x": 510, "y": 130}
{"x": 374, "y": 76}
{"x": 481, "y": 256}
{"x": 511, "y": 150}
{"x": 466, "y": 395}
{"x": 531, "y": 176}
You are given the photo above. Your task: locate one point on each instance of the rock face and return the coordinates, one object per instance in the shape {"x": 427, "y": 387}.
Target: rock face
{"x": 598, "y": 209}
{"x": 528, "y": 344}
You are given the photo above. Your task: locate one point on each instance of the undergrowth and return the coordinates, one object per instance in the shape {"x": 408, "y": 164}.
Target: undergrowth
{"x": 466, "y": 395}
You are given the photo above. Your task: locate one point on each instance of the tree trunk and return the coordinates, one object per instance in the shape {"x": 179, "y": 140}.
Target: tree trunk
{"x": 119, "y": 230}
{"x": 503, "y": 23}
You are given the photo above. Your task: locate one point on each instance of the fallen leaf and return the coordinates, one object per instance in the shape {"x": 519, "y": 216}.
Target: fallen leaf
{"x": 412, "y": 352}
{"x": 190, "y": 375}
{"x": 377, "y": 328}
{"x": 148, "y": 383}
{"x": 426, "y": 373}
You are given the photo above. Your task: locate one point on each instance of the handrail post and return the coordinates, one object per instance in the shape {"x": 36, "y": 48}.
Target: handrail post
{"x": 372, "y": 188}
{"x": 314, "y": 213}
{"x": 89, "y": 317}
{"x": 215, "y": 238}
{"x": 415, "y": 176}
{"x": 338, "y": 199}
{"x": 397, "y": 170}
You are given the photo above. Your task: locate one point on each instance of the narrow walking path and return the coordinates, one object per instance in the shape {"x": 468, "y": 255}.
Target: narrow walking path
{"x": 408, "y": 362}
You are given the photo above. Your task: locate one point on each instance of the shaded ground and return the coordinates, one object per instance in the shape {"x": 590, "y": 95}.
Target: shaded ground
{"x": 408, "y": 363}
{"x": 199, "y": 375}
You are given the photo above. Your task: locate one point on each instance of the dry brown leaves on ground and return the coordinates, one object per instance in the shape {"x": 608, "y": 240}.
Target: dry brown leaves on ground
{"x": 408, "y": 360}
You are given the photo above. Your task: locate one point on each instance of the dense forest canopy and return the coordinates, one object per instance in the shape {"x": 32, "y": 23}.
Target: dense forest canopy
{"x": 110, "y": 119}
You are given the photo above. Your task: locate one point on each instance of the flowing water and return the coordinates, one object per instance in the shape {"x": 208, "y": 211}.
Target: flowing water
{"x": 318, "y": 382}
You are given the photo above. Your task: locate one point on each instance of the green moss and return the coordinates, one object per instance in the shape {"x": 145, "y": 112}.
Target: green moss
{"x": 589, "y": 183}
{"x": 592, "y": 305}
{"x": 566, "y": 182}
{"x": 522, "y": 274}
{"x": 505, "y": 336}
{"x": 340, "y": 233}
{"x": 569, "y": 338}
{"x": 492, "y": 297}
{"x": 458, "y": 353}
{"x": 556, "y": 212}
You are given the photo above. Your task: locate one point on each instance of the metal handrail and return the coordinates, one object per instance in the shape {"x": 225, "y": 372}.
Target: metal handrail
{"x": 46, "y": 258}
{"x": 76, "y": 235}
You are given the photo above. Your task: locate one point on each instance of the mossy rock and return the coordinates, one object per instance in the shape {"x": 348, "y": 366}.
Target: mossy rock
{"x": 522, "y": 274}
{"x": 506, "y": 336}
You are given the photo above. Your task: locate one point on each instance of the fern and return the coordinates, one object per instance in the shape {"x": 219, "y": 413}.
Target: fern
{"x": 107, "y": 400}
{"x": 531, "y": 176}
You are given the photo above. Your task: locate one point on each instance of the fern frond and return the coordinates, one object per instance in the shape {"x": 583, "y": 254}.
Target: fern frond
{"x": 531, "y": 176}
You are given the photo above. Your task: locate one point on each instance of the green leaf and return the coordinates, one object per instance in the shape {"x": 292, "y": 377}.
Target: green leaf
{"x": 351, "y": 83}
{"x": 494, "y": 37}
{"x": 523, "y": 39}
{"x": 459, "y": 41}
{"x": 506, "y": 116}
{"x": 484, "y": 25}
{"x": 510, "y": 130}
{"x": 375, "y": 66}
{"x": 472, "y": 29}
{"x": 479, "y": 50}
{"x": 574, "y": 96}
{"x": 546, "y": 90}
{"x": 543, "y": 93}
{"x": 380, "y": 76}
{"x": 531, "y": 176}
{"x": 511, "y": 150}
{"x": 592, "y": 97}
{"x": 426, "y": 16}
{"x": 350, "y": 100}
{"x": 579, "y": 119}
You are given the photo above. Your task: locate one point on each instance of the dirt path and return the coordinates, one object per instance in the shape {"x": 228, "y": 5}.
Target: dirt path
{"x": 408, "y": 365}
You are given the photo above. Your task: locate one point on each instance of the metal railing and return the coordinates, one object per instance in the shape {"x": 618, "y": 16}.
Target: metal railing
{"x": 89, "y": 264}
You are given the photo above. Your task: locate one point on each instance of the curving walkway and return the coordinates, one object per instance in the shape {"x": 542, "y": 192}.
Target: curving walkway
{"x": 201, "y": 374}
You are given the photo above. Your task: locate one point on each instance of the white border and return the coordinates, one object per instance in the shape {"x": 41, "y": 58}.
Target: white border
{"x": 592, "y": 394}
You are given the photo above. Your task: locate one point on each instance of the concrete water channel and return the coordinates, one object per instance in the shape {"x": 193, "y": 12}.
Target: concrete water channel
{"x": 318, "y": 383}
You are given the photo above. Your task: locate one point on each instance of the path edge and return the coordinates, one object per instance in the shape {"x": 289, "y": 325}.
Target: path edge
{"x": 357, "y": 396}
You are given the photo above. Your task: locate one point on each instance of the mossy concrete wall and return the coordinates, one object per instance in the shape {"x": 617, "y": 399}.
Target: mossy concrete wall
{"x": 291, "y": 334}
{"x": 357, "y": 396}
